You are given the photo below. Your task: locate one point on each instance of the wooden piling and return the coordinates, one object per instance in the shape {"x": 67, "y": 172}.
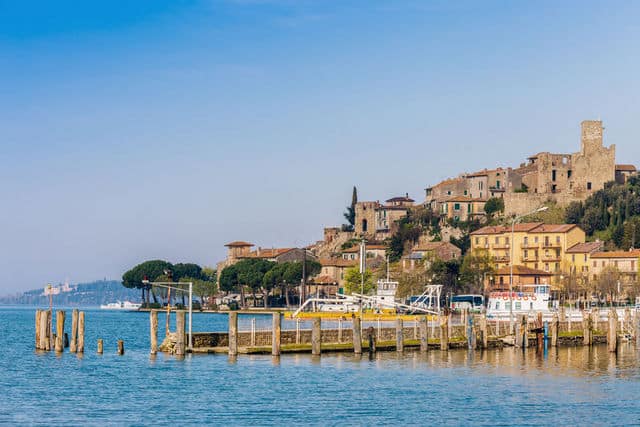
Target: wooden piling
{"x": 540, "y": 333}
{"x": 517, "y": 340}
{"x": 80, "y": 345}
{"x": 524, "y": 321}
{"x": 637, "y": 330}
{"x": 316, "y": 336}
{"x": 60, "y": 331}
{"x": 371, "y": 337}
{"x": 470, "y": 332}
{"x": 484, "y": 331}
{"x": 120, "y": 347}
{"x": 43, "y": 335}
{"x": 73, "y": 347}
{"x": 357, "y": 336}
{"x": 180, "y": 333}
{"x": 555, "y": 328}
{"x": 444, "y": 332}
{"x": 233, "y": 333}
{"x": 153, "y": 331}
{"x": 612, "y": 335}
{"x": 50, "y": 338}
{"x": 100, "y": 346}
{"x": 399, "y": 335}
{"x": 424, "y": 334}
{"x": 37, "y": 329}
{"x": 586, "y": 328}
{"x": 276, "y": 334}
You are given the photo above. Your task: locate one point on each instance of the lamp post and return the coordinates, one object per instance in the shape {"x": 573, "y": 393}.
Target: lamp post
{"x": 168, "y": 285}
{"x": 513, "y": 227}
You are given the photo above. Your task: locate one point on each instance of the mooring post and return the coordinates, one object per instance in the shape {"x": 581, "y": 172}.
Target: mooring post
{"x": 316, "y": 336}
{"x": 100, "y": 346}
{"x": 555, "y": 330}
{"x": 371, "y": 336}
{"x": 586, "y": 319}
{"x": 37, "y": 329}
{"x": 484, "y": 331}
{"x": 339, "y": 329}
{"x": 399, "y": 335}
{"x": 233, "y": 333}
{"x": 444, "y": 332}
{"x": 153, "y": 331}
{"x": 469, "y": 330}
{"x": 60, "y": 331}
{"x": 276, "y": 334}
{"x": 50, "y": 338}
{"x": 424, "y": 334}
{"x": 525, "y": 331}
{"x": 540, "y": 334}
{"x": 637, "y": 329}
{"x": 517, "y": 340}
{"x": 43, "y": 330}
{"x": 120, "y": 347}
{"x": 73, "y": 346}
{"x": 80, "y": 345}
{"x": 180, "y": 333}
{"x": 612, "y": 336}
{"x": 357, "y": 336}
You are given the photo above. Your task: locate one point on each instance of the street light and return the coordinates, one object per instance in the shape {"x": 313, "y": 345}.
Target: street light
{"x": 513, "y": 226}
{"x": 168, "y": 286}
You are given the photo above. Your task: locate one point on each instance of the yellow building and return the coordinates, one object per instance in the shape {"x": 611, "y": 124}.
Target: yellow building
{"x": 535, "y": 245}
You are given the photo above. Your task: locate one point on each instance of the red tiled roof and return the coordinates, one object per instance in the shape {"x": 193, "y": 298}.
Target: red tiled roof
{"x": 266, "y": 253}
{"x": 356, "y": 248}
{"x": 554, "y": 228}
{"x": 238, "y": 244}
{"x": 499, "y": 229}
{"x": 617, "y": 254}
{"x": 400, "y": 199}
{"x": 521, "y": 270}
{"x": 629, "y": 168}
{"x": 585, "y": 248}
{"x": 324, "y": 280}
{"x": 337, "y": 262}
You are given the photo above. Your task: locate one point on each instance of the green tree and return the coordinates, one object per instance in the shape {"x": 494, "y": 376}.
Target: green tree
{"x": 493, "y": 205}
{"x": 350, "y": 214}
{"x": 631, "y": 234}
{"x": 353, "y": 281}
{"x": 149, "y": 270}
{"x": 574, "y": 213}
{"x": 203, "y": 289}
{"x": 229, "y": 279}
{"x": 475, "y": 267}
{"x": 446, "y": 273}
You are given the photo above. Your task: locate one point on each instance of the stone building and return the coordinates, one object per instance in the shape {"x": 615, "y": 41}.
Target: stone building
{"x": 425, "y": 253}
{"x": 625, "y": 262}
{"x": 545, "y": 176}
{"x": 623, "y": 172}
{"x": 376, "y": 221}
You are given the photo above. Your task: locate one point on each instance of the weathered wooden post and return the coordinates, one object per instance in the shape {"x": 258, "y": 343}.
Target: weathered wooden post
{"x": 120, "y": 347}
{"x": 153, "y": 331}
{"x": 470, "y": 331}
{"x": 444, "y": 332}
{"x": 555, "y": 329}
{"x": 180, "y": 333}
{"x": 357, "y": 336}
{"x": 586, "y": 327}
{"x": 100, "y": 346}
{"x": 37, "y": 329}
{"x": 371, "y": 336}
{"x": 540, "y": 333}
{"x": 339, "y": 329}
{"x": 43, "y": 330}
{"x": 276, "y": 334}
{"x": 316, "y": 336}
{"x": 80, "y": 345}
{"x": 424, "y": 334}
{"x": 525, "y": 331}
{"x": 399, "y": 335}
{"x": 233, "y": 333}
{"x": 484, "y": 331}
{"x": 637, "y": 330}
{"x": 517, "y": 340}
{"x": 73, "y": 346}
{"x": 612, "y": 335}
{"x": 50, "y": 338}
{"x": 60, "y": 331}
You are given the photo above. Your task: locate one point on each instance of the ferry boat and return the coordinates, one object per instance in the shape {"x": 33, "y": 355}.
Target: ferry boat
{"x": 121, "y": 305}
{"x": 528, "y": 302}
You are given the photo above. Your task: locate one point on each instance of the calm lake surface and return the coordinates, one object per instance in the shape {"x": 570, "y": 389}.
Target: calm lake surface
{"x": 570, "y": 386}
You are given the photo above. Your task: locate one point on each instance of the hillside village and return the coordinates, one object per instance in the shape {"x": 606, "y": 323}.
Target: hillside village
{"x": 461, "y": 235}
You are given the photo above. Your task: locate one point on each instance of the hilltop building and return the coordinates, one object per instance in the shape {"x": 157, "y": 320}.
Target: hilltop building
{"x": 545, "y": 176}
{"x": 376, "y": 221}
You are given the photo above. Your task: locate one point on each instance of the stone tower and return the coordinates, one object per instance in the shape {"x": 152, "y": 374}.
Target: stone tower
{"x": 591, "y": 136}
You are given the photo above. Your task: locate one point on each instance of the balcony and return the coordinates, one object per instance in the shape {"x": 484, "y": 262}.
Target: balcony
{"x": 551, "y": 258}
{"x": 551, "y": 245}
{"x": 530, "y": 246}
{"x": 501, "y": 259}
{"x": 530, "y": 258}
{"x": 501, "y": 246}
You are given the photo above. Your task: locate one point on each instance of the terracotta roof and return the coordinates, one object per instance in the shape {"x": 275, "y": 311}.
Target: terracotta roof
{"x": 465, "y": 199}
{"x": 266, "y": 253}
{"x": 521, "y": 270}
{"x": 447, "y": 182}
{"x": 393, "y": 208}
{"x": 430, "y": 246}
{"x": 324, "y": 280}
{"x": 554, "y": 228}
{"x": 337, "y": 262}
{"x": 585, "y": 248}
{"x": 617, "y": 254}
{"x": 238, "y": 244}
{"x": 356, "y": 248}
{"x": 499, "y": 229}
{"x": 400, "y": 199}
{"x": 629, "y": 168}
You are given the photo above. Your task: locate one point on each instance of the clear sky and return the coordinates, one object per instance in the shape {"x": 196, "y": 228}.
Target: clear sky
{"x": 132, "y": 130}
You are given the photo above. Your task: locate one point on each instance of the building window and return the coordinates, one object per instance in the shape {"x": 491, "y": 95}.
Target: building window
{"x": 558, "y": 239}
{"x": 535, "y": 240}
{"x": 477, "y": 240}
{"x": 469, "y": 208}
{"x": 518, "y": 305}
{"x": 526, "y": 240}
{"x": 594, "y": 264}
{"x": 506, "y": 240}
{"x": 573, "y": 258}
{"x": 465, "y": 192}
{"x": 456, "y": 206}
{"x": 569, "y": 173}
{"x": 557, "y": 266}
{"x": 526, "y": 254}
{"x": 449, "y": 192}
{"x": 553, "y": 175}
{"x": 456, "y": 217}
{"x": 585, "y": 257}
{"x": 497, "y": 184}
{"x": 588, "y": 186}
{"x": 364, "y": 225}
{"x": 546, "y": 266}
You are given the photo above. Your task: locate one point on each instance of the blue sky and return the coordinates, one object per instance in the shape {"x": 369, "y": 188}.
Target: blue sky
{"x": 164, "y": 129}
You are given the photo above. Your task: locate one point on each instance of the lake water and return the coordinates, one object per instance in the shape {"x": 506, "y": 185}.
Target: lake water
{"x": 570, "y": 386}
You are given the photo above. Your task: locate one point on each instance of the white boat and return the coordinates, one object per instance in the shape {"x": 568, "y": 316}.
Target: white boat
{"x": 121, "y": 305}
{"x": 528, "y": 302}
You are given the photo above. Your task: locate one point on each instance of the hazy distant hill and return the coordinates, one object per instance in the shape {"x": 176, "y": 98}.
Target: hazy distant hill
{"x": 84, "y": 294}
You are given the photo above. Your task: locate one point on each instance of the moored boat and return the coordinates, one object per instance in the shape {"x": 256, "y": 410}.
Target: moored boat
{"x": 533, "y": 300}
{"x": 121, "y": 305}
